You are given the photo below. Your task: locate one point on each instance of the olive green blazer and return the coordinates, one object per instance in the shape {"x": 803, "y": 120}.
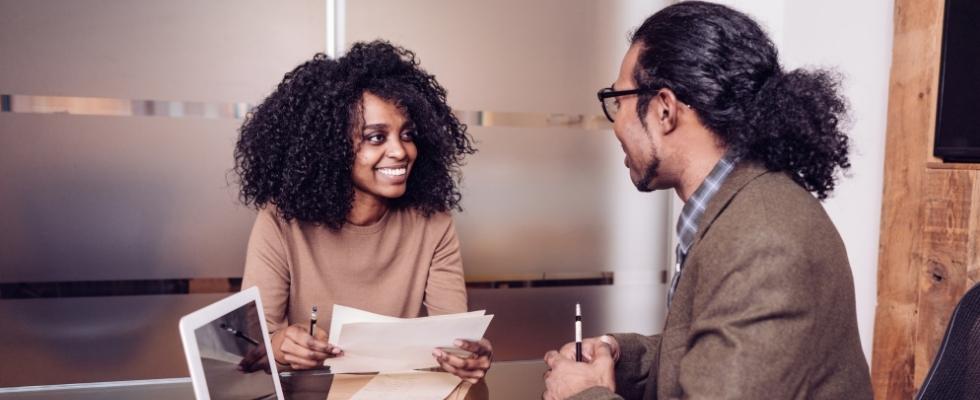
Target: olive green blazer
{"x": 764, "y": 308}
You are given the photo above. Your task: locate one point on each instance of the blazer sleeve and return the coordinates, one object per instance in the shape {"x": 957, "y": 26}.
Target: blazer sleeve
{"x": 752, "y": 319}
{"x": 266, "y": 267}
{"x": 445, "y": 287}
{"x": 596, "y": 393}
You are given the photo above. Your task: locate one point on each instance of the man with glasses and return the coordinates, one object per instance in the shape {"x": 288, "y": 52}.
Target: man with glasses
{"x": 761, "y": 303}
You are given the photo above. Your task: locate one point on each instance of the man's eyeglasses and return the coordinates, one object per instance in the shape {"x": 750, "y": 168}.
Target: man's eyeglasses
{"x": 610, "y": 106}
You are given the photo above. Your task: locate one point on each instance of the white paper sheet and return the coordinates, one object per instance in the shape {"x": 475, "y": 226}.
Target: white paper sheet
{"x": 415, "y": 385}
{"x": 378, "y": 343}
{"x": 346, "y": 315}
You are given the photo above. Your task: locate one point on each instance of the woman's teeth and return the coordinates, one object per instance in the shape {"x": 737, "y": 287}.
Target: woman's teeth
{"x": 393, "y": 171}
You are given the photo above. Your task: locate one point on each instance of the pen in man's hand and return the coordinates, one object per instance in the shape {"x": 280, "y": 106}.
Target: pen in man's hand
{"x": 313, "y": 321}
{"x": 578, "y": 332}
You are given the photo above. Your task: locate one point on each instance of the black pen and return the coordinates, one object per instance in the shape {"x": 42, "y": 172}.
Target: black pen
{"x": 578, "y": 332}
{"x": 313, "y": 321}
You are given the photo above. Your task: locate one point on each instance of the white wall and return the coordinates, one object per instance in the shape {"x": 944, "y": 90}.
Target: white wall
{"x": 859, "y": 43}
{"x": 855, "y": 38}
{"x": 639, "y": 242}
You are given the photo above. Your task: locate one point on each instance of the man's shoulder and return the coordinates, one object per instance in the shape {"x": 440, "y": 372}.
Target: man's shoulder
{"x": 772, "y": 227}
{"x": 772, "y": 211}
{"x": 776, "y": 204}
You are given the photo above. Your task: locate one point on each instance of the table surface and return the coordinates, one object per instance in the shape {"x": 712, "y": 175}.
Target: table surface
{"x": 126, "y": 338}
{"x": 505, "y": 380}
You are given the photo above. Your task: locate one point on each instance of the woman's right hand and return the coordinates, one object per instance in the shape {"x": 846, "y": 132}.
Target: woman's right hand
{"x": 295, "y": 347}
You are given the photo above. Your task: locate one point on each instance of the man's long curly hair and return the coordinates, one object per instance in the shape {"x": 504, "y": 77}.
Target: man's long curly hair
{"x": 721, "y": 63}
{"x": 296, "y": 149}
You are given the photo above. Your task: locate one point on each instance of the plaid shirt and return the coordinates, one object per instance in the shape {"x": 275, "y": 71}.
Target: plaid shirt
{"x": 687, "y": 224}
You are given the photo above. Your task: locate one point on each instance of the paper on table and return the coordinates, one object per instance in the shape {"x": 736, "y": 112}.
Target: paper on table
{"x": 345, "y": 315}
{"x": 399, "y": 344}
{"x": 409, "y": 386}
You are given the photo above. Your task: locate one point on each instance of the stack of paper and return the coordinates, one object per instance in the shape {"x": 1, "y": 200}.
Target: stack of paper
{"x": 415, "y": 385}
{"x": 379, "y": 343}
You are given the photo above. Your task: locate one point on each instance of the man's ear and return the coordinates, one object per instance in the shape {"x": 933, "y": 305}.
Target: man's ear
{"x": 666, "y": 105}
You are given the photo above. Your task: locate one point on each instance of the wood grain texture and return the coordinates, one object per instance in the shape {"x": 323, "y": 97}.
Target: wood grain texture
{"x": 944, "y": 246}
{"x": 894, "y": 335}
{"x": 911, "y": 122}
{"x": 942, "y": 165}
{"x": 973, "y": 258}
{"x": 345, "y": 386}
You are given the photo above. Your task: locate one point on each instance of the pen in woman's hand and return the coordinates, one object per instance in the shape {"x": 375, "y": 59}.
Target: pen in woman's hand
{"x": 313, "y": 321}
{"x": 578, "y": 332}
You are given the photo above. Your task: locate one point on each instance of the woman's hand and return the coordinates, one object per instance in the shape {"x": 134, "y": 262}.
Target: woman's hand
{"x": 471, "y": 368}
{"x": 295, "y": 347}
{"x": 255, "y": 359}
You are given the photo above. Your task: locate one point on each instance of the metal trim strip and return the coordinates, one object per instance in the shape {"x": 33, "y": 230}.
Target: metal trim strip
{"x": 104, "y": 106}
{"x": 146, "y": 287}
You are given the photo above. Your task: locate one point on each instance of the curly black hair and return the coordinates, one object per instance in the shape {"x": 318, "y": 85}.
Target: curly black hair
{"x": 721, "y": 63}
{"x": 296, "y": 149}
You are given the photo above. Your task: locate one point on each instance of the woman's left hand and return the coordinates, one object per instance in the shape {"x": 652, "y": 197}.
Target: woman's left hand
{"x": 471, "y": 368}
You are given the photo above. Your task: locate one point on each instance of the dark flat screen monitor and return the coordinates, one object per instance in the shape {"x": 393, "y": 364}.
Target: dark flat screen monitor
{"x": 958, "y": 116}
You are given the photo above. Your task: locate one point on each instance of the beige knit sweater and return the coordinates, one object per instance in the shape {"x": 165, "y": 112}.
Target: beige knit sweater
{"x": 392, "y": 267}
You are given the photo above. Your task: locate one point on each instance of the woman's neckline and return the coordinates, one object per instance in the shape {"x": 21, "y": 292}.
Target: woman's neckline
{"x": 373, "y": 227}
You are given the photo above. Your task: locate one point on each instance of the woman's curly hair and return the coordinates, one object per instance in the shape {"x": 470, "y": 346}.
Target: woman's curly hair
{"x": 296, "y": 149}
{"x": 721, "y": 63}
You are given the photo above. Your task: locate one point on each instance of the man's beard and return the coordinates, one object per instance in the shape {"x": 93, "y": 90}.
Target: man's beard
{"x": 649, "y": 174}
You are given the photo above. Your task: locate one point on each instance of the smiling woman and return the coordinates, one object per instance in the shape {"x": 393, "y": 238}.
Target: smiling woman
{"x": 353, "y": 165}
{"x": 385, "y": 153}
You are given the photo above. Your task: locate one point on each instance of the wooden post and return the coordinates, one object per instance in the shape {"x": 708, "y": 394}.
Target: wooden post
{"x": 911, "y": 123}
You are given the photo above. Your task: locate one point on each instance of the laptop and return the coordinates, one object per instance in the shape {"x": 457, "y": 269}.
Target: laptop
{"x": 226, "y": 345}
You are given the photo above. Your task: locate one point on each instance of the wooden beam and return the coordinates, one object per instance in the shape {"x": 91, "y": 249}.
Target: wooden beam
{"x": 911, "y": 122}
{"x": 945, "y": 227}
{"x": 973, "y": 260}
{"x": 893, "y": 339}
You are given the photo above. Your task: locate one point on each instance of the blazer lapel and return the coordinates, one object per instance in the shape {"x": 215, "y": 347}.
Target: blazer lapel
{"x": 744, "y": 172}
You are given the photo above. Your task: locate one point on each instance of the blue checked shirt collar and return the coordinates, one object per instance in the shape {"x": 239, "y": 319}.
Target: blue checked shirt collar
{"x": 687, "y": 224}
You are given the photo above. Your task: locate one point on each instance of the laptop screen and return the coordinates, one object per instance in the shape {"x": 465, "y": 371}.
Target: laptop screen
{"x": 234, "y": 357}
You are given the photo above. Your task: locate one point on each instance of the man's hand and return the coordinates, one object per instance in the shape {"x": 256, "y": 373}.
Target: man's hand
{"x": 566, "y": 377}
{"x": 588, "y": 347}
{"x": 295, "y": 347}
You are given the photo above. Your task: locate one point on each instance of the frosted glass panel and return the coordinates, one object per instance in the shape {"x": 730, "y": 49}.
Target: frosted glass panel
{"x": 220, "y": 50}
{"x": 538, "y": 201}
{"x": 508, "y": 55}
{"x": 135, "y": 191}
{"x": 104, "y": 198}
{"x": 534, "y": 202}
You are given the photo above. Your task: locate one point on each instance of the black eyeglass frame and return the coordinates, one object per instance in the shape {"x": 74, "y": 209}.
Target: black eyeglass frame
{"x": 608, "y": 92}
